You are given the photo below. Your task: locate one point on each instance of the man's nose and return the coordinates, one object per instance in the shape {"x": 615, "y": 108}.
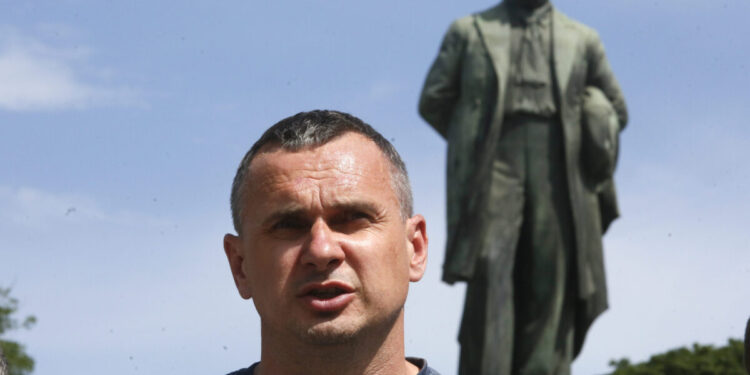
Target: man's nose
{"x": 322, "y": 251}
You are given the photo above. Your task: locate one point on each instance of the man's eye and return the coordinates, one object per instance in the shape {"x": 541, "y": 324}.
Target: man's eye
{"x": 350, "y": 222}
{"x": 353, "y": 216}
{"x": 290, "y": 224}
{"x": 357, "y": 215}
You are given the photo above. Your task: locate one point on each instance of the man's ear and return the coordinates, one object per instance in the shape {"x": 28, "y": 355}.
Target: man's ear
{"x": 235, "y": 256}
{"x": 416, "y": 233}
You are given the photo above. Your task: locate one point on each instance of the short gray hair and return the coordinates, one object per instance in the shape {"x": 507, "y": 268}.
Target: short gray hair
{"x": 312, "y": 129}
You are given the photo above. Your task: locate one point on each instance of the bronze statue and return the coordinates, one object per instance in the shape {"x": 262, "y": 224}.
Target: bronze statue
{"x": 527, "y": 203}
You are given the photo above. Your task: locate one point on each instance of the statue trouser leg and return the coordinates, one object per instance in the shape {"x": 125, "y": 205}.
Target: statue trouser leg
{"x": 544, "y": 291}
{"x": 518, "y": 316}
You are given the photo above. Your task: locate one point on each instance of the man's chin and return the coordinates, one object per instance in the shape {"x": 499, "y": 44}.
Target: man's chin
{"x": 330, "y": 333}
{"x": 345, "y": 328}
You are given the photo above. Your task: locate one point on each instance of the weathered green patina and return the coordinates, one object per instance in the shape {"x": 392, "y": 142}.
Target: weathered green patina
{"x": 493, "y": 220}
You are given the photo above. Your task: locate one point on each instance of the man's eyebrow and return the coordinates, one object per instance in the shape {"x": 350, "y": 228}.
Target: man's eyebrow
{"x": 345, "y": 206}
{"x": 349, "y": 206}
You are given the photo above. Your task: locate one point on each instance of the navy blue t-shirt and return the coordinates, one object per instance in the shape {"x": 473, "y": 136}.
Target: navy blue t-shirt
{"x": 419, "y": 362}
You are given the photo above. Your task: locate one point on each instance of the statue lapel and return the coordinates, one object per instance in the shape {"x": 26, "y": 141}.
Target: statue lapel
{"x": 494, "y": 30}
{"x": 564, "y": 50}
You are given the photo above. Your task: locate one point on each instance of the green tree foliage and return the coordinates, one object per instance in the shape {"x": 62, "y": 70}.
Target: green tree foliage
{"x": 701, "y": 360}
{"x": 19, "y": 363}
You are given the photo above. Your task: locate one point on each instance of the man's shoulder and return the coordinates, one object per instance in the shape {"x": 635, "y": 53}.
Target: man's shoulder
{"x": 424, "y": 369}
{"x": 245, "y": 371}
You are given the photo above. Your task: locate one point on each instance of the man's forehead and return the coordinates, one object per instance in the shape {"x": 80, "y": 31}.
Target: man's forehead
{"x": 347, "y": 153}
{"x": 348, "y": 171}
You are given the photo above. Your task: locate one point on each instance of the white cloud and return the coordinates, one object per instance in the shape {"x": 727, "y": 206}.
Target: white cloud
{"x": 35, "y": 75}
{"x": 30, "y": 207}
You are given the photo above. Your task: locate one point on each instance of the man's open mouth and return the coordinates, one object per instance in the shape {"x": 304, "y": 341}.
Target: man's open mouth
{"x": 327, "y": 293}
{"x": 327, "y": 296}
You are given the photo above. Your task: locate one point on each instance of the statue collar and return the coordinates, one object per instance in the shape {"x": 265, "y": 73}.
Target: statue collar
{"x": 527, "y": 16}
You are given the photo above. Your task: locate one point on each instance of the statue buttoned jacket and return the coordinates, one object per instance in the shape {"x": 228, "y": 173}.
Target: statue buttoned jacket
{"x": 462, "y": 100}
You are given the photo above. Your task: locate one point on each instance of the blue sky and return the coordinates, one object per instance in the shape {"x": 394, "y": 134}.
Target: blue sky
{"x": 122, "y": 123}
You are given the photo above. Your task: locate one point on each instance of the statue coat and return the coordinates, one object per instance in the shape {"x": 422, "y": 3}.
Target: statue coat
{"x": 462, "y": 100}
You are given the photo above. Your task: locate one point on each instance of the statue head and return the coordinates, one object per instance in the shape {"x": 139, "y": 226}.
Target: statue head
{"x": 528, "y": 4}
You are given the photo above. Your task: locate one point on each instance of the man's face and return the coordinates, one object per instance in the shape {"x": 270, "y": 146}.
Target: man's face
{"x": 324, "y": 252}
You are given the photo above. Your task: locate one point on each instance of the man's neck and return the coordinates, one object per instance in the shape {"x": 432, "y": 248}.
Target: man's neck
{"x": 369, "y": 353}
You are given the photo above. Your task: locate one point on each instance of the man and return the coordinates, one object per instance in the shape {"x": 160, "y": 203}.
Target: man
{"x": 525, "y": 219}
{"x": 326, "y": 246}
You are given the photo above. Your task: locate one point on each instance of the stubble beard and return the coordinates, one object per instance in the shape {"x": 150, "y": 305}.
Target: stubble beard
{"x": 329, "y": 334}
{"x": 338, "y": 330}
